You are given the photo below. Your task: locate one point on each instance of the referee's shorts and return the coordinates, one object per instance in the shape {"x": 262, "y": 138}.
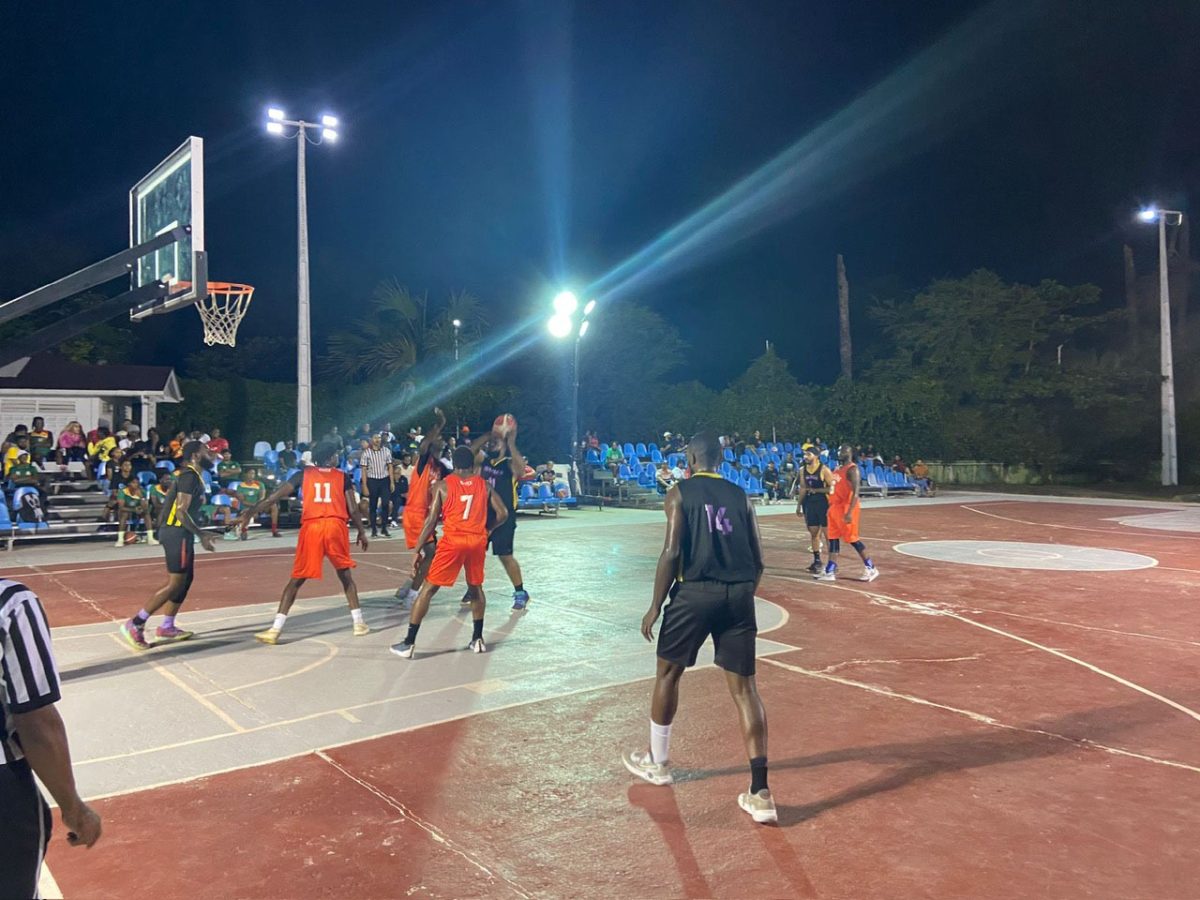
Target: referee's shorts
{"x": 698, "y": 609}
{"x": 24, "y": 831}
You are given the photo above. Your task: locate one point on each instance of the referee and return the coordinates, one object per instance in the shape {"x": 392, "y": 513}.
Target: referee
{"x": 376, "y": 462}
{"x": 32, "y": 740}
{"x": 710, "y": 567}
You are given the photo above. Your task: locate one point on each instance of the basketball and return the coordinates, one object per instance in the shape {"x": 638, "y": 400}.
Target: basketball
{"x": 505, "y": 424}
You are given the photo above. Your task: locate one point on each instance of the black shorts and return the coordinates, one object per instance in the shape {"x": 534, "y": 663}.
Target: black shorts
{"x": 502, "y": 537}
{"x": 816, "y": 511}
{"x": 700, "y": 608}
{"x": 179, "y": 546}
{"x": 24, "y": 831}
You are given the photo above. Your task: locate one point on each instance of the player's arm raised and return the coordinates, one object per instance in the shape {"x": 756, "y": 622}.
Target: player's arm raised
{"x": 434, "y": 433}
{"x": 668, "y": 560}
{"x": 355, "y": 515}
{"x": 499, "y": 510}
{"x": 519, "y": 462}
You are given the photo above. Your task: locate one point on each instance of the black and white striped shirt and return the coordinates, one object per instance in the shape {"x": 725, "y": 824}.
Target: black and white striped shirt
{"x": 375, "y": 462}
{"x": 28, "y": 675}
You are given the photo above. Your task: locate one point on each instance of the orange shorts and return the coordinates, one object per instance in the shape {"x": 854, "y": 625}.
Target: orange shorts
{"x": 837, "y": 529}
{"x": 322, "y": 539}
{"x": 451, "y": 558}
{"x": 412, "y": 527}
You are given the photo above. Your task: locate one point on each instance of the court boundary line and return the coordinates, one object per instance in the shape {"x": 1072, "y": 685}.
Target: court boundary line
{"x": 1112, "y": 532}
{"x": 428, "y": 827}
{"x": 939, "y": 610}
{"x": 980, "y": 718}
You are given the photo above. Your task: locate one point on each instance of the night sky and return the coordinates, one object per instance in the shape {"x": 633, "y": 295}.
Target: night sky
{"x": 507, "y": 148}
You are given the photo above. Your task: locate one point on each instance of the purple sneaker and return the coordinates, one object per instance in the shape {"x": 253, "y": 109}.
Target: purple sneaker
{"x": 171, "y": 633}
{"x": 135, "y": 635}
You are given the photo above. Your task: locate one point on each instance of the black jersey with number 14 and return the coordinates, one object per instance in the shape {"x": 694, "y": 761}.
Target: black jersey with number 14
{"x": 717, "y": 543}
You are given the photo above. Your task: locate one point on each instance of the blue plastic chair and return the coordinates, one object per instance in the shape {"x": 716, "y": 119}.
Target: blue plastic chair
{"x": 625, "y": 473}
{"x": 527, "y": 491}
{"x": 728, "y": 454}
{"x": 271, "y": 459}
{"x": 221, "y": 500}
{"x": 655, "y": 456}
{"x": 261, "y": 448}
{"x": 593, "y": 458}
{"x": 628, "y": 451}
{"x": 148, "y": 479}
{"x": 5, "y": 521}
{"x": 165, "y": 464}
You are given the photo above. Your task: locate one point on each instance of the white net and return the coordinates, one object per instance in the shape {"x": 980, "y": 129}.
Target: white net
{"x": 222, "y": 311}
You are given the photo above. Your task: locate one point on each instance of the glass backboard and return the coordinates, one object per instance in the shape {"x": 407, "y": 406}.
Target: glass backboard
{"x": 171, "y": 195}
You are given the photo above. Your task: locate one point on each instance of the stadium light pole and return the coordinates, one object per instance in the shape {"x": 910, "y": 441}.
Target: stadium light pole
{"x": 1170, "y": 445}
{"x": 561, "y": 325}
{"x": 457, "y": 323}
{"x": 325, "y": 130}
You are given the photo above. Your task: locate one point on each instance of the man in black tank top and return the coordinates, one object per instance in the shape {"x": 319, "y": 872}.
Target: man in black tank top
{"x": 812, "y": 488}
{"x": 710, "y": 567}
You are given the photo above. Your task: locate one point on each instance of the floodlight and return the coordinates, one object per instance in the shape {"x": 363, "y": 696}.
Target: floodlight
{"x": 457, "y": 323}
{"x": 1149, "y": 214}
{"x": 275, "y": 113}
{"x": 565, "y": 303}
{"x": 587, "y": 310}
{"x": 584, "y": 327}
{"x": 275, "y": 127}
{"x": 560, "y": 325}
{"x": 328, "y": 134}
{"x": 329, "y": 121}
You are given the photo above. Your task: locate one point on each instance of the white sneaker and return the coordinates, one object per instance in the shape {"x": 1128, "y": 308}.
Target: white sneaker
{"x": 870, "y": 573}
{"x": 830, "y": 575}
{"x": 760, "y": 806}
{"x": 477, "y": 646}
{"x": 640, "y": 764}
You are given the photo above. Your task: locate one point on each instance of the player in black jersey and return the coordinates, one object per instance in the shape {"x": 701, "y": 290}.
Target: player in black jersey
{"x": 812, "y": 493}
{"x": 502, "y": 466}
{"x": 710, "y": 567}
{"x": 177, "y": 532}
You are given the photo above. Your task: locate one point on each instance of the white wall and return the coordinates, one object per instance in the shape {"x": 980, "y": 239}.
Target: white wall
{"x": 57, "y": 411}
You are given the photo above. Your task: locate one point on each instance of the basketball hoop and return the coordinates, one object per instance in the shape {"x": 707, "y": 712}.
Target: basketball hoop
{"x": 222, "y": 310}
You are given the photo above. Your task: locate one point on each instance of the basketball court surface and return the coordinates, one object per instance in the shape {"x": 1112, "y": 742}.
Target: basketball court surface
{"x": 1012, "y": 709}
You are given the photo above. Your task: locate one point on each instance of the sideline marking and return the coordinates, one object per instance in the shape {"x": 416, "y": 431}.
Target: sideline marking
{"x": 938, "y": 610}
{"x": 1115, "y": 533}
{"x": 981, "y": 718}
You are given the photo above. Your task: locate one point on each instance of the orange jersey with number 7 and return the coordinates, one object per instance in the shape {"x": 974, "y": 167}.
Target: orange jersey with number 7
{"x": 465, "y": 509}
{"x": 323, "y": 493}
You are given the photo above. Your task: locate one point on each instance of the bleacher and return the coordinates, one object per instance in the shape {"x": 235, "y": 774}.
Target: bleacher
{"x": 642, "y": 460}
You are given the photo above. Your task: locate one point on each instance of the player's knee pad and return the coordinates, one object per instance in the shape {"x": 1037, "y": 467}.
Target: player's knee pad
{"x": 835, "y": 545}
{"x": 859, "y": 546}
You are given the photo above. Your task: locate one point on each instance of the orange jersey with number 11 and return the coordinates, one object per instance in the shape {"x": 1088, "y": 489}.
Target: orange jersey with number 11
{"x": 464, "y": 511}
{"x": 324, "y": 494}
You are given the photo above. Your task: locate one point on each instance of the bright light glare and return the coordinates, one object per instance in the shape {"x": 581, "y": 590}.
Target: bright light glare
{"x": 328, "y": 134}
{"x": 275, "y": 127}
{"x": 275, "y": 113}
{"x": 329, "y": 121}
{"x": 457, "y": 323}
{"x": 587, "y": 310}
{"x": 584, "y": 327}
{"x": 1150, "y": 214}
{"x": 565, "y": 303}
{"x": 560, "y": 325}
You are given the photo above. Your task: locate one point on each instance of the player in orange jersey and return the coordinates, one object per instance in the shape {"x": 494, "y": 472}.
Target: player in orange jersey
{"x": 845, "y": 506}
{"x": 462, "y": 501}
{"x": 327, "y": 495}
{"x": 425, "y": 474}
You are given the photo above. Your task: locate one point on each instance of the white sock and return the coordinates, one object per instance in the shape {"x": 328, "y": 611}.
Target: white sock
{"x": 660, "y": 742}
{"x": 356, "y": 615}
{"x": 280, "y": 618}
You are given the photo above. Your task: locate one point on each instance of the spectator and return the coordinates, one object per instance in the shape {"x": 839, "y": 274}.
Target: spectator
{"x": 592, "y": 441}
{"x": 789, "y": 465}
{"x": 217, "y": 444}
{"x": 228, "y": 469}
{"x": 663, "y": 478}
{"x": 548, "y": 473}
{"x": 773, "y": 483}
{"x": 72, "y": 444}
{"x": 142, "y": 454}
{"x": 157, "y": 495}
{"x": 25, "y": 474}
{"x": 364, "y": 433}
{"x": 354, "y": 456}
{"x": 131, "y": 503}
{"x": 288, "y": 457}
{"x": 399, "y": 487}
{"x": 898, "y": 465}
{"x": 156, "y": 444}
{"x": 175, "y": 446}
{"x": 21, "y": 431}
{"x": 41, "y": 441}
{"x": 920, "y": 475}
{"x": 17, "y": 449}
{"x": 678, "y": 472}
{"x": 614, "y": 458}
{"x": 336, "y": 438}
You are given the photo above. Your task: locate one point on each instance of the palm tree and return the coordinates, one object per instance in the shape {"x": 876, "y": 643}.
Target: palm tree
{"x": 401, "y": 331}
